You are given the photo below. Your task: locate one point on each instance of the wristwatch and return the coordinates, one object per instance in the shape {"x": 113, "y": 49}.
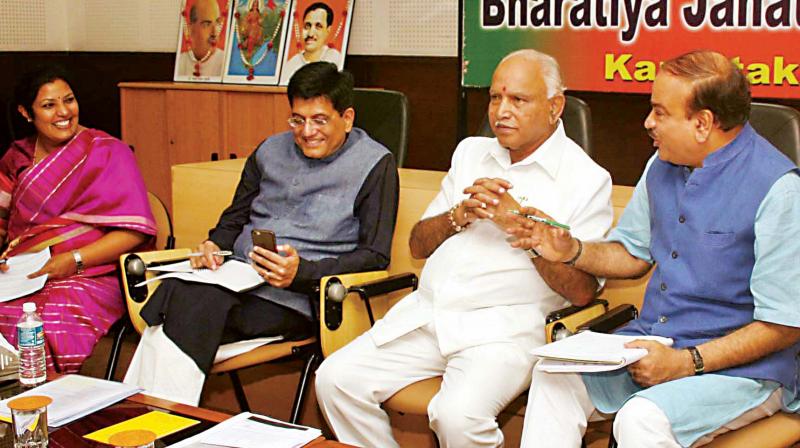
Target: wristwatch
{"x": 532, "y": 253}
{"x": 78, "y": 261}
{"x": 699, "y": 366}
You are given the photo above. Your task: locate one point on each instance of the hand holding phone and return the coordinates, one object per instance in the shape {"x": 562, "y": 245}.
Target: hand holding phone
{"x": 264, "y": 239}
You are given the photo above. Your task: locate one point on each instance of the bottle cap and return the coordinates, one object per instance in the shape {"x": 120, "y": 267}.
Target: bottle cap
{"x": 28, "y": 307}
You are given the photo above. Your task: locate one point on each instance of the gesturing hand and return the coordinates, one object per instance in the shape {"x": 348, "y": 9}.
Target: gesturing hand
{"x": 552, "y": 243}
{"x": 58, "y": 266}
{"x": 661, "y": 364}
{"x": 278, "y": 270}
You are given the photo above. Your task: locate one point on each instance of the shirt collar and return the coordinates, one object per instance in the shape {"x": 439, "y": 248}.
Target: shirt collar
{"x": 548, "y": 155}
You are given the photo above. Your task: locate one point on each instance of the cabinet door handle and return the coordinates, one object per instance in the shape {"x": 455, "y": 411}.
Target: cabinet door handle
{"x": 232, "y": 155}
{"x": 214, "y": 156}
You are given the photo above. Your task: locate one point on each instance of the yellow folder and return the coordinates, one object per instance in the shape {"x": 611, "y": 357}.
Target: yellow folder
{"x": 161, "y": 423}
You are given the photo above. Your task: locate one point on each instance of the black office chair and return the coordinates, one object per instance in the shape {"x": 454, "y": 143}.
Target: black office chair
{"x": 577, "y": 119}
{"x": 384, "y": 115}
{"x": 780, "y": 125}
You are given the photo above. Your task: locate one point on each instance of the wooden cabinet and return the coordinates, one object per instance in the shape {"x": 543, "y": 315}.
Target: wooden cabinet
{"x": 171, "y": 123}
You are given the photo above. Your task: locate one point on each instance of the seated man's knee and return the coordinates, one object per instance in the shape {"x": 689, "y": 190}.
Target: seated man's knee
{"x": 337, "y": 377}
{"x": 640, "y": 419}
{"x": 452, "y": 422}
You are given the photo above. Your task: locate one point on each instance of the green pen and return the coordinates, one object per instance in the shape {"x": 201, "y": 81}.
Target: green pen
{"x": 549, "y": 222}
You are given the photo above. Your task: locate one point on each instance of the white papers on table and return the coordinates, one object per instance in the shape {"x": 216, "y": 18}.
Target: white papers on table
{"x": 181, "y": 266}
{"x": 228, "y": 351}
{"x": 248, "y": 430}
{"x": 233, "y": 274}
{"x": 9, "y": 360}
{"x": 591, "y": 352}
{"x": 75, "y": 396}
{"x": 15, "y": 283}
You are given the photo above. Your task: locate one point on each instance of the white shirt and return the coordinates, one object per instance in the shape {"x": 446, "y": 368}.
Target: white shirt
{"x": 212, "y": 67}
{"x": 475, "y": 287}
{"x": 295, "y": 62}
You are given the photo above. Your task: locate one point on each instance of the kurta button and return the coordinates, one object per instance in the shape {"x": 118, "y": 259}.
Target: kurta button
{"x": 662, "y": 319}
{"x": 663, "y": 286}
{"x": 674, "y": 254}
{"x": 681, "y": 219}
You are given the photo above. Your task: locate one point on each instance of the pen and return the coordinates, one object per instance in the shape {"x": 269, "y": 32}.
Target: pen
{"x": 219, "y": 253}
{"x": 549, "y": 222}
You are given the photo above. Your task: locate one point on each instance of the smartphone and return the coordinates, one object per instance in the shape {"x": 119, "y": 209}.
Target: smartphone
{"x": 264, "y": 239}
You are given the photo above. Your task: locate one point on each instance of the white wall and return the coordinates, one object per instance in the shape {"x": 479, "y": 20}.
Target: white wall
{"x": 380, "y": 27}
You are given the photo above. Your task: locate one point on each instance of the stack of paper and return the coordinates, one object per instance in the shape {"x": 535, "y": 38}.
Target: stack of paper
{"x": 248, "y": 430}
{"x": 75, "y": 396}
{"x": 15, "y": 283}
{"x": 235, "y": 275}
{"x": 591, "y": 352}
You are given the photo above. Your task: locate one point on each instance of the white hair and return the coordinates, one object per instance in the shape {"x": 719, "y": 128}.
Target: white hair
{"x": 551, "y": 72}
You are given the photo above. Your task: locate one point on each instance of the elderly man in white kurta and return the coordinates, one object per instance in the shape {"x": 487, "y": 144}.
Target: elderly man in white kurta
{"x": 481, "y": 303}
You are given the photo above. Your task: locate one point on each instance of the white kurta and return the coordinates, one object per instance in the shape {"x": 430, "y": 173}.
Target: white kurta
{"x": 475, "y": 291}
{"x": 299, "y": 60}
{"x": 212, "y": 67}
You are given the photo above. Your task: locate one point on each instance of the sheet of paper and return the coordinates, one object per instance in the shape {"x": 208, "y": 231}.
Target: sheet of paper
{"x": 248, "y": 430}
{"x": 591, "y": 352}
{"x": 228, "y": 351}
{"x": 15, "y": 283}
{"x": 181, "y": 266}
{"x": 233, "y": 274}
{"x": 75, "y": 396}
{"x": 160, "y": 423}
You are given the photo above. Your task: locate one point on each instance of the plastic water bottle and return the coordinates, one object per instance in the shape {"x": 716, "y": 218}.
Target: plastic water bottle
{"x": 30, "y": 342}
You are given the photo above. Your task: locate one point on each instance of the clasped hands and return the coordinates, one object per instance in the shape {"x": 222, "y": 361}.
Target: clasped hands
{"x": 277, "y": 269}
{"x": 485, "y": 202}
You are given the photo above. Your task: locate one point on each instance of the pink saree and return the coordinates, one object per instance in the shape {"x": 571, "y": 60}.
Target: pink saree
{"x": 71, "y": 198}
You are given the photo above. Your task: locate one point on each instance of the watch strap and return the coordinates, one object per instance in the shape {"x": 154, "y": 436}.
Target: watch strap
{"x": 697, "y": 359}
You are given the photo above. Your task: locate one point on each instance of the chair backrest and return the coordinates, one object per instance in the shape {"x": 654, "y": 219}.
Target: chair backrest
{"x": 577, "y": 119}
{"x": 384, "y": 115}
{"x": 780, "y": 125}
{"x": 164, "y": 238}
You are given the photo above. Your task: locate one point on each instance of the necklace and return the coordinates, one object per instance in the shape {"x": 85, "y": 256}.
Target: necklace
{"x": 38, "y": 153}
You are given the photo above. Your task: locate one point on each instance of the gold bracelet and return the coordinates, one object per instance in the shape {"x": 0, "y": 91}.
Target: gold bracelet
{"x": 451, "y": 217}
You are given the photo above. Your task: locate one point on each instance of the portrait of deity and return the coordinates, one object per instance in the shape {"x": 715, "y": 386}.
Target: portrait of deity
{"x": 258, "y": 30}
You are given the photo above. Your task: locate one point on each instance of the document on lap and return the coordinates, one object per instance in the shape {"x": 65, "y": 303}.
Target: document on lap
{"x": 235, "y": 275}
{"x": 15, "y": 283}
{"x": 591, "y": 352}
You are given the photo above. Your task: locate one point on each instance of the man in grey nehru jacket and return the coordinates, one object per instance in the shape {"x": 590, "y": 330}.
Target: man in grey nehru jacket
{"x": 327, "y": 190}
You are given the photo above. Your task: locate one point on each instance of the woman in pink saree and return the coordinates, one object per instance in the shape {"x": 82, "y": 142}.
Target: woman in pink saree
{"x": 77, "y": 191}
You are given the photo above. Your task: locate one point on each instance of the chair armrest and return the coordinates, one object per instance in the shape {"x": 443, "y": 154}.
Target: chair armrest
{"x": 566, "y": 321}
{"x": 133, "y": 269}
{"x": 342, "y": 320}
{"x": 611, "y": 320}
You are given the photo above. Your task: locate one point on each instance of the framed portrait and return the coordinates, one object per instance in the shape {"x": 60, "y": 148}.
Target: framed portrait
{"x": 319, "y": 31}
{"x": 258, "y": 33}
{"x": 201, "y": 45}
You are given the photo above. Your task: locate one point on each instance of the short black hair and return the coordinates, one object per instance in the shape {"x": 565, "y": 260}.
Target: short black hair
{"x": 322, "y": 79}
{"x": 323, "y": 6}
{"x": 31, "y": 81}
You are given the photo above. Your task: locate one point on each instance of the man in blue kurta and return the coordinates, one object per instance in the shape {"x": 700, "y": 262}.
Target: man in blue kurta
{"x": 717, "y": 212}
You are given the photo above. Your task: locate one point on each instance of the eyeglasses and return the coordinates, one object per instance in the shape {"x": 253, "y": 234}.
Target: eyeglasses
{"x": 315, "y": 122}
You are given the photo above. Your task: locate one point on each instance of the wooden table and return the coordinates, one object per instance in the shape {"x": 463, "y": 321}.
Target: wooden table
{"x": 71, "y": 435}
